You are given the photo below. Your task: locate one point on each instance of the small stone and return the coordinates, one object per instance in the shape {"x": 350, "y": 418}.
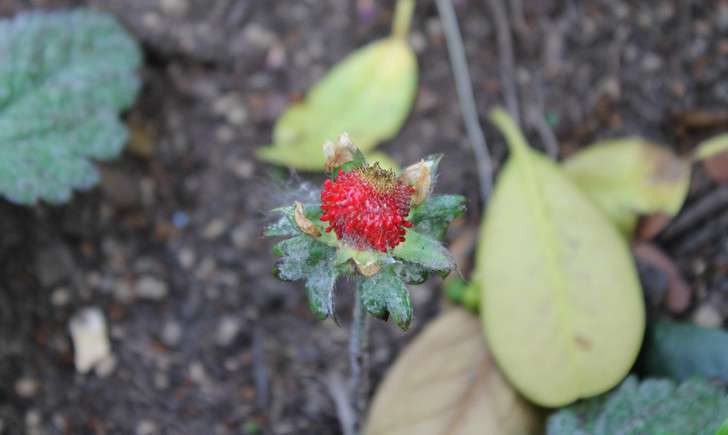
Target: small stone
{"x": 147, "y": 427}
{"x": 227, "y": 330}
{"x": 242, "y": 168}
{"x": 177, "y": 8}
{"x": 161, "y": 380}
{"x": 197, "y": 373}
{"x": 49, "y": 267}
{"x": 707, "y": 316}
{"x": 152, "y": 288}
{"x": 651, "y": 62}
{"x": 186, "y": 257}
{"x": 123, "y": 291}
{"x": 105, "y": 367}
{"x": 90, "y": 338}
{"x": 232, "y": 107}
{"x": 26, "y": 387}
{"x": 214, "y": 229}
{"x": 171, "y": 333}
{"x": 60, "y": 296}
{"x": 33, "y": 420}
{"x": 241, "y": 236}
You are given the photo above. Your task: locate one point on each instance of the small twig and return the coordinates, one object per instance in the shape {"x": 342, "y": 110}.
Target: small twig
{"x": 357, "y": 359}
{"x": 505, "y": 54}
{"x": 465, "y": 95}
{"x": 340, "y": 396}
{"x": 260, "y": 372}
{"x": 702, "y": 209}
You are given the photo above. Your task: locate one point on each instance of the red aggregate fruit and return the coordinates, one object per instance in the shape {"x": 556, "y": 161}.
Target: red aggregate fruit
{"x": 367, "y": 208}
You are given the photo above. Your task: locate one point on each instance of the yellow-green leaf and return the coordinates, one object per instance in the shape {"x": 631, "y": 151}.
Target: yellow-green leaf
{"x": 445, "y": 382}
{"x": 630, "y": 177}
{"x": 711, "y": 147}
{"x": 368, "y": 95}
{"x": 560, "y": 299}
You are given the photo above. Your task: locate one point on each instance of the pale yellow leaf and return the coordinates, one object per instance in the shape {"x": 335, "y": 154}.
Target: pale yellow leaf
{"x": 446, "y": 383}
{"x": 561, "y": 303}
{"x": 630, "y": 177}
{"x": 369, "y": 95}
{"x": 712, "y": 147}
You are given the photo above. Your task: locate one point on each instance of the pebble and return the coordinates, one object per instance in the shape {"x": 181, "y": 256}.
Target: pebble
{"x": 214, "y": 229}
{"x": 227, "y": 330}
{"x": 152, "y": 288}
{"x": 147, "y": 427}
{"x": 707, "y": 316}
{"x": 231, "y": 107}
{"x": 105, "y": 367}
{"x": 242, "y": 168}
{"x": 161, "y": 380}
{"x": 26, "y": 387}
{"x": 171, "y": 333}
{"x": 242, "y": 236}
{"x": 186, "y": 257}
{"x": 123, "y": 291}
{"x": 90, "y": 338}
{"x": 33, "y": 421}
{"x": 197, "y": 373}
{"x": 60, "y": 296}
{"x": 49, "y": 268}
{"x": 177, "y": 8}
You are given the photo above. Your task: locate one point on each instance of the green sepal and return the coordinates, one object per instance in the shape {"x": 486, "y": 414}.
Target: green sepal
{"x": 412, "y": 273}
{"x": 357, "y": 162}
{"x": 304, "y": 257}
{"x": 433, "y": 216}
{"x": 425, "y": 251}
{"x": 285, "y": 225}
{"x": 384, "y": 295}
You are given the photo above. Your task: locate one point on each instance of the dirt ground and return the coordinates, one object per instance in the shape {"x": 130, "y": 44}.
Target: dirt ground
{"x": 221, "y": 347}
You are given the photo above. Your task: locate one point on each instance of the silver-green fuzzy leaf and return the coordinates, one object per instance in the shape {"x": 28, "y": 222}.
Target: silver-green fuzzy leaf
{"x": 384, "y": 295}
{"x": 64, "y": 77}
{"x": 647, "y": 408}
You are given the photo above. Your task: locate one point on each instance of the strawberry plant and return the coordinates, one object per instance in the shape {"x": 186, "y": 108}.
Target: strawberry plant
{"x": 375, "y": 226}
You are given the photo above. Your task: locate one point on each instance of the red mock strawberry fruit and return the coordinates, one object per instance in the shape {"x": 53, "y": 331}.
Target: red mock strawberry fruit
{"x": 367, "y": 208}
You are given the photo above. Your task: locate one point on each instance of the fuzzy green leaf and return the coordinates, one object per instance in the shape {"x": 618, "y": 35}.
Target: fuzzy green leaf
{"x": 306, "y": 258}
{"x": 425, "y": 251}
{"x": 384, "y": 295}
{"x": 433, "y": 216}
{"x": 653, "y": 407}
{"x": 682, "y": 350}
{"x": 412, "y": 273}
{"x": 64, "y": 77}
{"x": 285, "y": 225}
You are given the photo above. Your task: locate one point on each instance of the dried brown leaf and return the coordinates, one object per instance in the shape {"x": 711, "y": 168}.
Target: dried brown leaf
{"x": 446, "y": 383}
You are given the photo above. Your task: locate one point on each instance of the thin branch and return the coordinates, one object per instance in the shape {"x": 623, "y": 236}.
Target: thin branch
{"x": 465, "y": 95}
{"x": 505, "y": 54}
{"x": 357, "y": 360}
{"x": 340, "y": 395}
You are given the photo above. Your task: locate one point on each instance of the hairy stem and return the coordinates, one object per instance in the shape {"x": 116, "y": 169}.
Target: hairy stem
{"x": 402, "y": 18}
{"x": 465, "y": 95}
{"x": 357, "y": 360}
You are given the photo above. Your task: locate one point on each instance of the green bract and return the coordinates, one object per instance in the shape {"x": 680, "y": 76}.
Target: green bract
{"x": 380, "y": 276}
{"x": 64, "y": 77}
{"x": 650, "y": 407}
